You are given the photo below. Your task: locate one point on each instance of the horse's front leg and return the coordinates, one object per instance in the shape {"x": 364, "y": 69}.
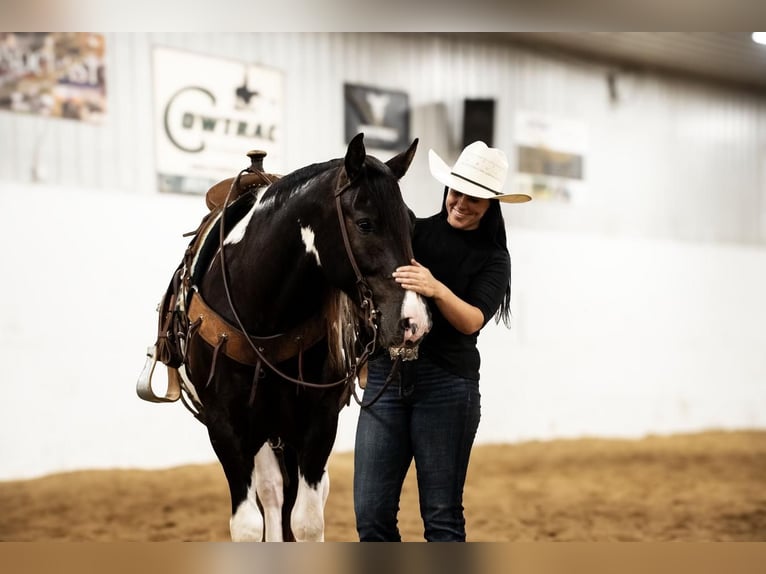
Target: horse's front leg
{"x": 269, "y": 486}
{"x": 307, "y": 518}
{"x": 246, "y": 522}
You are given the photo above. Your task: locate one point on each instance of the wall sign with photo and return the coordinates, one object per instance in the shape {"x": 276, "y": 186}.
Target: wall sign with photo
{"x": 382, "y": 115}
{"x": 551, "y": 156}
{"x": 209, "y": 112}
{"x": 55, "y": 74}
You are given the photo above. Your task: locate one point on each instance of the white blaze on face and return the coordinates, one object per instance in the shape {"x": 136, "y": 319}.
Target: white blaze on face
{"x": 307, "y": 235}
{"x": 414, "y": 308}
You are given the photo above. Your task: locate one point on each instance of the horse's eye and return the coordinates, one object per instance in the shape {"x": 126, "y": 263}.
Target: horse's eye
{"x": 364, "y": 225}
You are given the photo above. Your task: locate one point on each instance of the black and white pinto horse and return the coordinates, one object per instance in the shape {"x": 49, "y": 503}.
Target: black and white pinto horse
{"x": 319, "y": 243}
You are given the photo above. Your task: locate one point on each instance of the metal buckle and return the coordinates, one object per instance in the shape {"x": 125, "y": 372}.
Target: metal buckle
{"x": 405, "y": 353}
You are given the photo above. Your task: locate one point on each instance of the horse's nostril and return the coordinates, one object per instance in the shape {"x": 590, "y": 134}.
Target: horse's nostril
{"x": 409, "y": 328}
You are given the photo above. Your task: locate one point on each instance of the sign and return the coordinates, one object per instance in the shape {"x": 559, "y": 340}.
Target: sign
{"x": 209, "y": 112}
{"x": 56, "y": 74}
{"x": 382, "y": 115}
{"x": 551, "y": 156}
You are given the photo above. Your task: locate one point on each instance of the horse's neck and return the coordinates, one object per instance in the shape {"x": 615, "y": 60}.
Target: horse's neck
{"x": 279, "y": 284}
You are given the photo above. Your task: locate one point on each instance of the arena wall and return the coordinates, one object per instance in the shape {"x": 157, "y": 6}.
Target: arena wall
{"x": 637, "y": 309}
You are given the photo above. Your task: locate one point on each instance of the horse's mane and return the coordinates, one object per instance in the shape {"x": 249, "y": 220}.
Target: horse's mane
{"x": 281, "y": 189}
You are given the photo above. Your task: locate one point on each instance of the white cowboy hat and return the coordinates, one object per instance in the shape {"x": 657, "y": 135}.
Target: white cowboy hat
{"x": 480, "y": 171}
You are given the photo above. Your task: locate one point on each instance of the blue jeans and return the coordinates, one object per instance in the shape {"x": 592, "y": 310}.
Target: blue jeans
{"x": 429, "y": 415}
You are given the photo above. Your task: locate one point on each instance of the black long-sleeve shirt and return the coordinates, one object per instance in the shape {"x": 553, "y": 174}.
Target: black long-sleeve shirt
{"x": 476, "y": 270}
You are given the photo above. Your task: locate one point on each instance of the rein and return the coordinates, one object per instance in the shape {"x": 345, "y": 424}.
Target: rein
{"x": 367, "y": 305}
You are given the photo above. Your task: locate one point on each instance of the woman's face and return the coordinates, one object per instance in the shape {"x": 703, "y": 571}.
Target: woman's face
{"x": 463, "y": 211}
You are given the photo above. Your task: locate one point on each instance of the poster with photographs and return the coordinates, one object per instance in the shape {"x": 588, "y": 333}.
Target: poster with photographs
{"x": 56, "y": 74}
{"x": 208, "y": 113}
{"x": 550, "y": 156}
{"x": 382, "y": 115}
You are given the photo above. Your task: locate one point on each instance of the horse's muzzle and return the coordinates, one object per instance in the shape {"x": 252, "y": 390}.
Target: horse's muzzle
{"x": 411, "y": 331}
{"x": 415, "y": 319}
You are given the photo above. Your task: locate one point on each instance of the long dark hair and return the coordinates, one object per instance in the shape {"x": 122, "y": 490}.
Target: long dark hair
{"x": 492, "y": 226}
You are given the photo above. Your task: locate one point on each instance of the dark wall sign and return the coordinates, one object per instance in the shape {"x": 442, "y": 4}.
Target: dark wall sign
{"x": 382, "y": 115}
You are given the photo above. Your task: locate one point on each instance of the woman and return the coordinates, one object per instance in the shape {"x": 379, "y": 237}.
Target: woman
{"x": 431, "y": 411}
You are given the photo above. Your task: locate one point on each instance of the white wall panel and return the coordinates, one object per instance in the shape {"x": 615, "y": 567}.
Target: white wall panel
{"x": 630, "y": 316}
{"x": 617, "y": 337}
{"x": 669, "y": 158}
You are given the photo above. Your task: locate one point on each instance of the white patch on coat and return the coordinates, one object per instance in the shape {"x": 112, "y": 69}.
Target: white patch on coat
{"x": 238, "y": 231}
{"x": 307, "y": 519}
{"x": 414, "y": 308}
{"x": 246, "y": 525}
{"x": 307, "y": 235}
{"x": 261, "y": 202}
{"x": 267, "y": 477}
{"x": 266, "y": 484}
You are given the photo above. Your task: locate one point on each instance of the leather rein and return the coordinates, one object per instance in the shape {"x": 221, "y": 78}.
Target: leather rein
{"x": 369, "y": 311}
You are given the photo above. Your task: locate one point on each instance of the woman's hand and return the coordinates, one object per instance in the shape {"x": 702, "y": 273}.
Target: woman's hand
{"x": 417, "y": 278}
{"x": 463, "y": 316}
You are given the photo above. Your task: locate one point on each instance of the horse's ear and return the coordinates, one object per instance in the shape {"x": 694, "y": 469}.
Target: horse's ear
{"x": 399, "y": 164}
{"x": 355, "y": 155}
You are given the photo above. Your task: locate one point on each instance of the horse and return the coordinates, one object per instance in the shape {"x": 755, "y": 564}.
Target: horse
{"x": 286, "y": 295}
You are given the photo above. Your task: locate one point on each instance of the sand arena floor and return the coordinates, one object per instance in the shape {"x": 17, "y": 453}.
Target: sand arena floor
{"x": 701, "y": 487}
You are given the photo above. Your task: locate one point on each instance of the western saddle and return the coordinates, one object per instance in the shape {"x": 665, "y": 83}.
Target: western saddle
{"x": 174, "y": 321}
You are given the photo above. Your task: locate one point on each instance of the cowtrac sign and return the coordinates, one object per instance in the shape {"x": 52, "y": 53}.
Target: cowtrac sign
{"x": 209, "y": 112}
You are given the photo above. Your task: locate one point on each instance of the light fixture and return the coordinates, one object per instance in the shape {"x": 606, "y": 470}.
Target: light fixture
{"x": 759, "y": 37}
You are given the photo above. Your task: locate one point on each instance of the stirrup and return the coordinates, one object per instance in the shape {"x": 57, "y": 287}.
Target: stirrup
{"x": 144, "y": 385}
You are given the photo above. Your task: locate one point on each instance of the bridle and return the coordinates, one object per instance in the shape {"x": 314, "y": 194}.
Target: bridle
{"x": 366, "y": 303}
{"x": 369, "y": 311}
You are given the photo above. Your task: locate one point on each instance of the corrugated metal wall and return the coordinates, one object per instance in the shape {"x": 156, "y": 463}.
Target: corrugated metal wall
{"x": 668, "y": 158}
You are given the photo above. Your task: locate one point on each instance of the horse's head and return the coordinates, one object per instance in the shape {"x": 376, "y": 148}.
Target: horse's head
{"x": 379, "y": 231}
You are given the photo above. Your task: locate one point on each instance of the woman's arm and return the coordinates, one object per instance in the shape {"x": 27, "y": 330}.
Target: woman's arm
{"x": 463, "y": 316}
